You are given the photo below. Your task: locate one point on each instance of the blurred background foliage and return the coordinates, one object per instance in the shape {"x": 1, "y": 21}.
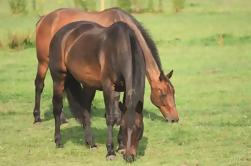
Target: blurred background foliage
{"x": 18, "y": 6}
{"x": 25, "y": 14}
{"x": 136, "y": 6}
{"x": 35, "y": 8}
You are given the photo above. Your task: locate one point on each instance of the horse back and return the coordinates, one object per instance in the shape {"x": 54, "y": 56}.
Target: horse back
{"x": 75, "y": 48}
{"x": 92, "y": 52}
{"x": 58, "y": 44}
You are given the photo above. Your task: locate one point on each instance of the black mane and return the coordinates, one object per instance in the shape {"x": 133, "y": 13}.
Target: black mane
{"x": 150, "y": 43}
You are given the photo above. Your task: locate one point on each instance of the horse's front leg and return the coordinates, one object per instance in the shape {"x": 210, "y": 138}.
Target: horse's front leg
{"x": 122, "y": 109}
{"x": 57, "y": 101}
{"x": 121, "y": 147}
{"x": 110, "y": 98}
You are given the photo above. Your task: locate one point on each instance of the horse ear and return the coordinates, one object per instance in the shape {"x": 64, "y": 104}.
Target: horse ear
{"x": 169, "y": 75}
{"x": 139, "y": 107}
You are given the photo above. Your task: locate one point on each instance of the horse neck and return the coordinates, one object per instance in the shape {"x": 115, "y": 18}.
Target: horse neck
{"x": 152, "y": 69}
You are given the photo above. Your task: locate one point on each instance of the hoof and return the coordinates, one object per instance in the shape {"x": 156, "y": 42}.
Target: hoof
{"x": 63, "y": 121}
{"x": 92, "y": 147}
{"x": 129, "y": 158}
{"x": 62, "y": 118}
{"x": 110, "y": 157}
{"x": 37, "y": 120}
{"x": 121, "y": 150}
{"x": 59, "y": 146}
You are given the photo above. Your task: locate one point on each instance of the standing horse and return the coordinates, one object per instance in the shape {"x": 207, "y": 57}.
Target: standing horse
{"x": 162, "y": 91}
{"x": 108, "y": 59}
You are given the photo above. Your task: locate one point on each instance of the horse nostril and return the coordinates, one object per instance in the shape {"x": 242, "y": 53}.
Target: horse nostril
{"x": 175, "y": 120}
{"x": 172, "y": 120}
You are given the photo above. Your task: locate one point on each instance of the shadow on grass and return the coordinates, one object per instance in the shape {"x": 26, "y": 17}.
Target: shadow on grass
{"x": 100, "y": 112}
{"x": 48, "y": 114}
{"x": 95, "y": 112}
{"x": 142, "y": 146}
{"x": 153, "y": 116}
{"x": 76, "y": 136}
{"x": 12, "y": 113}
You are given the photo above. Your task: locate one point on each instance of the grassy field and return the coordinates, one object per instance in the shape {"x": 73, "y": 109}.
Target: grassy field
{"x": 208, "y": 46}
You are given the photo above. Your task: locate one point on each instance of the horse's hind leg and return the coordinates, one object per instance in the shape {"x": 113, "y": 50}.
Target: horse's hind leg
{"x": 58, "y": 90}
{"x": 110, "y": 97}
{"x": 39, "y": 86}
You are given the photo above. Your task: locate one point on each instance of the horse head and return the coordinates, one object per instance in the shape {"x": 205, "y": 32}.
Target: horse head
{"x": 132, "y": 130}
{"x": 162, "y": 96}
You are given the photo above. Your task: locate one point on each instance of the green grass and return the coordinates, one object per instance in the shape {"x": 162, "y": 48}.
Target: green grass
{"x": 213, "y": 94}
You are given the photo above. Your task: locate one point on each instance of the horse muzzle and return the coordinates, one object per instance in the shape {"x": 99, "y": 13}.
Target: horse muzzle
{"x": 170, "y": 116}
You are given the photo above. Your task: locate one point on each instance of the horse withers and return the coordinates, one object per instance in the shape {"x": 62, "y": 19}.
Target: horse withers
{"x": 108, "y": 59}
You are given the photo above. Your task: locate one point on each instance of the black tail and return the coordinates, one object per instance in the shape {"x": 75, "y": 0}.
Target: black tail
{"x": 73, "y": 91}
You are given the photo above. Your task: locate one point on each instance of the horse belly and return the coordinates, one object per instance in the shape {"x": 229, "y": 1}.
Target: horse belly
{"x": 91, "y": 81}
{"x": 87, "y": 75}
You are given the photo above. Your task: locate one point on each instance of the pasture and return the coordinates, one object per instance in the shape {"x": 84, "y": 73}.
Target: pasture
{"x": 207, "y": 44}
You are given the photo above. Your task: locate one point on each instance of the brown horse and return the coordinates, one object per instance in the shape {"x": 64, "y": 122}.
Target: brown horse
{"x": 108, "y": 59}
{"x": 162, "y": 91}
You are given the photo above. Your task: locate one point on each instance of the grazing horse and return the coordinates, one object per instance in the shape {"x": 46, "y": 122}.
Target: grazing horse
{"x": 108, "y": 59}
{"x": 162, "y": 91}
